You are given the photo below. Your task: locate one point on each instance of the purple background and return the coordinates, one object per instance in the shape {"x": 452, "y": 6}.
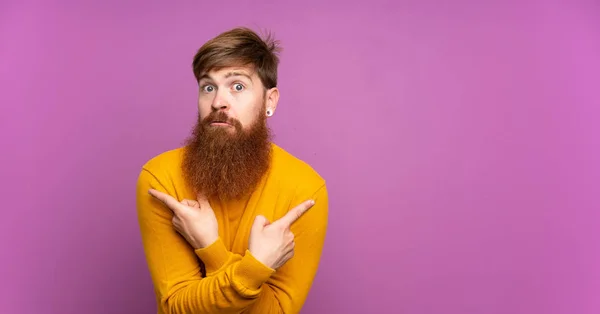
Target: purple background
{"x": 460, "y": 141}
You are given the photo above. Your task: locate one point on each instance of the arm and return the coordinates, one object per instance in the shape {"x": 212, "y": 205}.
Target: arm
{"x": 287, "y": 289}
{"x": 235, "y": 283}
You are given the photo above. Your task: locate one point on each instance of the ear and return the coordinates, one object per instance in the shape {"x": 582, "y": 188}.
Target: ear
{"x": 272, "y": 97}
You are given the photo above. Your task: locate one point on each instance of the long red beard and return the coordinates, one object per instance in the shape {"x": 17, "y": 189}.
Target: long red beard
{"x": 224, "y": 164}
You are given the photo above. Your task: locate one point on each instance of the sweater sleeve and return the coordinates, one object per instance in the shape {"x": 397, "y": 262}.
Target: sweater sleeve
{"x": 233, "y": 282}
{"x": 286, "y": 290}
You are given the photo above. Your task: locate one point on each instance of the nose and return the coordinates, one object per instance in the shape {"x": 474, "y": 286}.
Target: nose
{"x": 220, "y": 102}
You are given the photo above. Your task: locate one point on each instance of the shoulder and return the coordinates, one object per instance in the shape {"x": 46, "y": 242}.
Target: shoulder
{"x": 165, "y": 166}
{"x": 297, "y": 181}
{"x": 293, "y": 172}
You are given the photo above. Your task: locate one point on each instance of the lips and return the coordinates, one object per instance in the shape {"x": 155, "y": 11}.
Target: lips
{"x": 220, "y": 122}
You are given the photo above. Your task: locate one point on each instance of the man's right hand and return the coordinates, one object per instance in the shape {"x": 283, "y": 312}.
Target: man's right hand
{"x": 194, "y": 220}
{"x": 273, "y": 243}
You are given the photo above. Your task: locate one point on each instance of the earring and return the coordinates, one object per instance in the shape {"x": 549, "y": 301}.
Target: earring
{"x": 269, "y": 113}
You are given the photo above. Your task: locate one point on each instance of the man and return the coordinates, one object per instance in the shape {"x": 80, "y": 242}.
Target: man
{"x": 231, "y": 222}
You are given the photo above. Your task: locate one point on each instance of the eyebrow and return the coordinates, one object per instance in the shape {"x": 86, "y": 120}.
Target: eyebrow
{"x": 205, "y": 76}
{"x": 235, "y": 73}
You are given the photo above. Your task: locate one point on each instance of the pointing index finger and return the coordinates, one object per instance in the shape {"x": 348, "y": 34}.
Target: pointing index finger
{"x": 167, "y": 199}
{"x": 295, "y": 213}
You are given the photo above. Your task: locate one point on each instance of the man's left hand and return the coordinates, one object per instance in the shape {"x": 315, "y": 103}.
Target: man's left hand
{"x": 195, "y": 220}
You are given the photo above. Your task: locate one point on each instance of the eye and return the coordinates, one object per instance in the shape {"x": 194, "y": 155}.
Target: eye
{"x": 208, "y": 88}
{"x": 238, "y": 87}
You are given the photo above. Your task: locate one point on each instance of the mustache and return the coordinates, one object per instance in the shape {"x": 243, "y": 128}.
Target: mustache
{"x": 219, "y": 116}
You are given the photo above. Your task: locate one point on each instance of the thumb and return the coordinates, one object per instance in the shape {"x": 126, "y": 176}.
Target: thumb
{"x": 260, "y": 222}
{"x": 190, "y": 203}
{"x": 202, "y": 200}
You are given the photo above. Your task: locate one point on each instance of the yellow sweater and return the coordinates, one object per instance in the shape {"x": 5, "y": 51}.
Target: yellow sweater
{"x": 235, "y": 282}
